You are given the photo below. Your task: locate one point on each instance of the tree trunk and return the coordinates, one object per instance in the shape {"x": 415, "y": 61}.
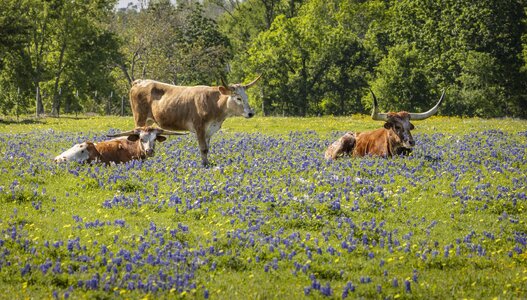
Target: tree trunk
{"x": 262, "y": 95}
{"x": 39, "y": 106}
{"x": 303, "y": 89}
{"x": 56, "y": 95}
{"x": 127, "y": 76}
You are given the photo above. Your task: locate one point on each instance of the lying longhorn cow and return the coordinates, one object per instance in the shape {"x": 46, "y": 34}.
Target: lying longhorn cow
{"x": 134, "y": 144}
{"x": 394, "y": 139}
{"x": 199, "y": 109}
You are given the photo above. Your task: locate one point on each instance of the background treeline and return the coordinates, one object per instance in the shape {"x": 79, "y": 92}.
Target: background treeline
{"x": 316, "y": 56}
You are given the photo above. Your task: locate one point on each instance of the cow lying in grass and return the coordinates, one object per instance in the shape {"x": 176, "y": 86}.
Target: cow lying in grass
{"x": 393, "y": 139}
{"x": 134, "y": 144}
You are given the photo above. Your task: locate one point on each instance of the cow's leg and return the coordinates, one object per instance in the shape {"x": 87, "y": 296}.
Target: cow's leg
{"x": 203, "y": 147}
{"x": 140, "y": 120}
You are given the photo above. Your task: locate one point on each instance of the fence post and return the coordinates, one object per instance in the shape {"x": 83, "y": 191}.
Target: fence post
{"x": 36, "y": 101}
{"x": 122, "y": 106}
{"x": 76, "y": 104}
{"x": 108, "y": 105}
{"x": 58, "y": 102}
{"x": 17, "y": 104}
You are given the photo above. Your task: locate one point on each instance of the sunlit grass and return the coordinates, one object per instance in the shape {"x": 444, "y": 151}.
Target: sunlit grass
{"x": 272, "y": 219}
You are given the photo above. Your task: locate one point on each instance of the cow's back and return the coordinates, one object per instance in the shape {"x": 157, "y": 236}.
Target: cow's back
{"x": 182, "y": 108}
{"x": 170, "y": 106}
{"x": 373, "y": 143}
{"x": 117, "y": 151}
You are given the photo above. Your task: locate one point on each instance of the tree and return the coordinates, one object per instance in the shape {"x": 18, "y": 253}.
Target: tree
{"x": 244, "y": 20}
{"x": 60, "y": 41}
{"x": 204, "y": 49}
{"x": 14, "y": 28}
{"x": 480, "y": 83}
{"x": 80, "y": 45}
{"x": 447, "y": 34}
{"x": 14, "y": 32}
{"x": 311, "y": 63}
{"x": 178, "y": 45}
{"x": 402, "y": 81}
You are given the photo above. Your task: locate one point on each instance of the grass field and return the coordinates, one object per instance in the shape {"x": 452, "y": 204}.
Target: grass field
{"x": 271, "y": 219}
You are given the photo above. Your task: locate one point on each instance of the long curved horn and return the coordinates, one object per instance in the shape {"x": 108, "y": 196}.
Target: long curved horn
{"x": 431, "y": 112}
{"x": 375, "y": 114}
{"x": 169, "y": 132}
{"x": 252, "y": 82}
{"x": 125, "y": 133}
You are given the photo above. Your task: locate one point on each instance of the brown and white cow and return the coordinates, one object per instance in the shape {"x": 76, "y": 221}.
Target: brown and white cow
{"x": 199, "y": 109}
{"x": 134, "y": 144}
{"x": 394, "y": 138}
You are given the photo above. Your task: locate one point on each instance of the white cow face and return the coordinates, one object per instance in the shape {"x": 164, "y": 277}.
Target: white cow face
{"x": 238, "y": 102}
{"x": 148, "y": 140}
{"x": 78, "y": 153}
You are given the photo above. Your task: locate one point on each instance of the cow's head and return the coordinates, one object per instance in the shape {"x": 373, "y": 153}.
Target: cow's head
{"x": 399, "y": 122}
{"x": 238, "y": 102}
{"x": 147, "y": 137}
{"x": 80, "y": 153}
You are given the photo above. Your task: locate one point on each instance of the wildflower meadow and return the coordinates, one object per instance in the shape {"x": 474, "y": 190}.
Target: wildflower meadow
{"x": 271, "y": 219}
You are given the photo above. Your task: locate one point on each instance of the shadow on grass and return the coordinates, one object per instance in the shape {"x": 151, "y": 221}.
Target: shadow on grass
{"x": 24, "y": 121}
{"x": 41, "y": 120}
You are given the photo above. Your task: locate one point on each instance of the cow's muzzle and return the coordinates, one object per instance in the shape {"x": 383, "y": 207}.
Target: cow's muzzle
{"x": 149, "y": 152}
{"x": 409, "y": 144}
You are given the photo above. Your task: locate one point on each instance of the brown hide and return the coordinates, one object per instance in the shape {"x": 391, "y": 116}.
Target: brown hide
{"x": 176, "y": 107}
{"x": 119, "y": 151}
{"x": 375, "y": 143}
{"x": 93, "y": 154}
{"x": 134, "y": 144}
{"x": 394, "y": 139}
{"x": 199, "y": 109}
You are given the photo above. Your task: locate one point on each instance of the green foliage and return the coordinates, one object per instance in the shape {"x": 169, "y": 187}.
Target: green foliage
{"x": 465, "y": 46}
{"x": 65, "y": 50}
{"x": 317, "y": 57}
{"x": 311, "y": 63}
{"x": 482, "y": 93}
{"x": 402, "y": 81}
{"x": 177, "y": 45}
{"x": 418, "y": 48}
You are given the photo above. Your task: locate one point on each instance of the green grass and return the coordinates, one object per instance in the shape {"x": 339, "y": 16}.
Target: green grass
{"x": 271, "y": 195}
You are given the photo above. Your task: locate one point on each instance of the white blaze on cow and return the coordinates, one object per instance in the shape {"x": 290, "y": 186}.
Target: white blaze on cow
{"x": 134, "y": 144}
{"x": 199, "y": 109}
{"x": 79, "y": 153}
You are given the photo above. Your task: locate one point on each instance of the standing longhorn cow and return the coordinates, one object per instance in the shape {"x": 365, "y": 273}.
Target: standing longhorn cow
{"x": 134, "y": 144}
{"x": 394, "y": 139}
{"x": 199, "y": 109}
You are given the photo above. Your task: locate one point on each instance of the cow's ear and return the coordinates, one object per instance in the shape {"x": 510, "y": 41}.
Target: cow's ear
{"x": 412, "y": 127}
{"x": 133, "y": 137}
{"x": 224, "y": 90}
{"x": 160, "y": 138}
{"x": 388, "y": 125}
